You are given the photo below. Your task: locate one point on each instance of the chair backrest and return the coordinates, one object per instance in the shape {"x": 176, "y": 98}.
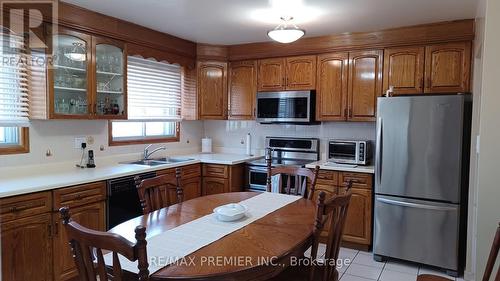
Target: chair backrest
{"x": 301, "y": 178}
{"x": 85, "y": 243}
{"x": 493, "y": 257}
{"x": 160, "y": 191}
{"x": 330, "y": 214}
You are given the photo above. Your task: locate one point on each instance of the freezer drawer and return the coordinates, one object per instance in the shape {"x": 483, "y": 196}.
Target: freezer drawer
{"x": 415, "y": 230}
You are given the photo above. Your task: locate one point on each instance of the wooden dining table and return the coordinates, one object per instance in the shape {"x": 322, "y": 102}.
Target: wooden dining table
{"x": 258, "y": 251}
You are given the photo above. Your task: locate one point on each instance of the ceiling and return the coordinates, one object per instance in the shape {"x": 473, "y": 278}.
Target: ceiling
{"x": 243, "y": 21}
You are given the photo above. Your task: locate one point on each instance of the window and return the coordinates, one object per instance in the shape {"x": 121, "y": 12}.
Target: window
{"x": 14, "y": 103}
{"x": 154, "y": 103}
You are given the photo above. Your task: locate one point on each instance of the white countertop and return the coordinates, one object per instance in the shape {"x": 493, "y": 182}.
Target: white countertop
{"x": 22, "y": 180}
{"x": 324, "y": 165}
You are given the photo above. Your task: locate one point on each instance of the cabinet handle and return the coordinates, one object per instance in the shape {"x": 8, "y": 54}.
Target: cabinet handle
{"x": 284, "y": 82}
{"x": 95, "y": 108}
{"x": 350, "y": 112}
{"x": 56, "y": 229}
{"x": 254, "y": 112}
{"x": 49, "y": 229}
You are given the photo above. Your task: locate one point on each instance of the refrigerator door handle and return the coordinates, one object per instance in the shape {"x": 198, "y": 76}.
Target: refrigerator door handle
{"x": 416, "y": 205}
{"x": 378, "y": 153}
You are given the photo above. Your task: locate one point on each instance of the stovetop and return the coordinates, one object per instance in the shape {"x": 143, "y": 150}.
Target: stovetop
{"x": 280, "y": 162}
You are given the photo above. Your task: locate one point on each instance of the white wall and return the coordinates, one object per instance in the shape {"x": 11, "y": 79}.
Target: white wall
{"x": 58, "y": 136}
{"x": 487, "y": 182}
{"x": 229, "y": 135}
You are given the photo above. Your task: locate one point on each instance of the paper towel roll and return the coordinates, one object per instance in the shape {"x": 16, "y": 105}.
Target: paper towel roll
{"x": 249, "y": 144}
{"x": 206, "y": 145}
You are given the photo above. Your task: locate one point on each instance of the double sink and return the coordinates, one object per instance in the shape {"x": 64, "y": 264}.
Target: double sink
{"x": 159, "y": 161}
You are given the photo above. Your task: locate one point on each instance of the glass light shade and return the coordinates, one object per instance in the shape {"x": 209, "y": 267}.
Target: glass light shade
{"x": 286, "y": 35}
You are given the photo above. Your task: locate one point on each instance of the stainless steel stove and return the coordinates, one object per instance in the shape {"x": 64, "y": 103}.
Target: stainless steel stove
{"x": 284, "y": 152}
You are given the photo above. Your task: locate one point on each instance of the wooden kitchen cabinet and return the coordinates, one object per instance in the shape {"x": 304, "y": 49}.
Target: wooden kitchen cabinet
{"x": 70, "y": 80}
{"x": 358, "y": 225}
{"x": 271, "y": 75}
{"x": 88, "y": 208}
{"x": 91, "y": 87}
{"x": 212, "y": 90}
{"x": 301, "y": 73}
{"x": 365, "y": 84}
{"x": 222, "y": 178}
{"x": 109, "y": 87}
{"x": 331, "y": 88}
{"x": 213, "y": 185}
{"x": 404, "y": 70}
{"x": 91, "y": 216}
{"x": 242, "y": 90}
{"x": 27, "y": 248}
{"x": 447, "y": 67}
{"x": 191, "y": 188}
{"x": 290, "y": 73}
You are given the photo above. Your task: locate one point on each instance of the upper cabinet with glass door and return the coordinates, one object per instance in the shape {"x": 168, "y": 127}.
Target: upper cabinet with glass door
{"x": 110, "y": 100}
{"x": 87, "y": 77}
{"x": 70, "y": 75}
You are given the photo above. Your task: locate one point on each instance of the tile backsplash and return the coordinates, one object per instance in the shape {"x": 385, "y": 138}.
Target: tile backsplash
{"x": 228, "y": 136}
{"x": 59, "y": 135}
{"x": 232, "y": 134}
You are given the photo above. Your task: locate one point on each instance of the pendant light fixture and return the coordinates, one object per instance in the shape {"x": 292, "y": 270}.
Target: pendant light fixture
{"x": 77, "y": 53}
{"x": 286, "y": 32}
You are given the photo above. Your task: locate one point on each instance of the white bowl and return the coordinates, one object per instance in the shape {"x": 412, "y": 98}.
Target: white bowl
{"x": 230, "y": 212}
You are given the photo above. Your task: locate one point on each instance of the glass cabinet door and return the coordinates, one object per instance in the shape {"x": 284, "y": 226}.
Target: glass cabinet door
{"x": 70, "y": 75}
{"x": 110, "y": 68}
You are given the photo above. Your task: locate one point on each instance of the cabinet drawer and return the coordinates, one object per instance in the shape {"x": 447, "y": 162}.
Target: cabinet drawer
{"x": 218, "y": 171}
{"x": 25, "y": 205}
{"x": 187, "y": 172}
{"x": 327, "y": 177}
{"x": 191, "y": 171}
{"x": 79, "y": 195}
{"x": 359, "y": 180}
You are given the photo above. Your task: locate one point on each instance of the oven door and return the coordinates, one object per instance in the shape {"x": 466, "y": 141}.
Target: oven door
{"x": 257, "y": 178}
{"x": 343, "y": 152}
{"x": 276, "y": 107}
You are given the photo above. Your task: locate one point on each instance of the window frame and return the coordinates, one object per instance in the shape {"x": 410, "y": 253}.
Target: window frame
{"x": 23, "y": 147}
{"x": 112, "y": 142}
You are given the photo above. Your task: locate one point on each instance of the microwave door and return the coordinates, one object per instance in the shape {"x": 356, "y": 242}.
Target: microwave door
{"x": 280, "y": 107}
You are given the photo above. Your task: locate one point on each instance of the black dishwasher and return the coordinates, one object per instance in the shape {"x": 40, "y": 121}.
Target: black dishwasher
{"x": 123, "y": 201}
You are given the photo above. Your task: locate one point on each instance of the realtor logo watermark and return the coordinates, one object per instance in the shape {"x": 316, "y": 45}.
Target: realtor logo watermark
{"x": 243, "y": 261}
{"x": 28, "y": 25}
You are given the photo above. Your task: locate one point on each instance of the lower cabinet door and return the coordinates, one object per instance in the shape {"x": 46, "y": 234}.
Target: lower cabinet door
{"x": 191, "y": 188}
{"x": 330, "y": 191}
{"x": 214, "y": 185}
{"x": 358, "y": 223}
{"x": 91, "y": 216}
{"x": 27, "y": 248}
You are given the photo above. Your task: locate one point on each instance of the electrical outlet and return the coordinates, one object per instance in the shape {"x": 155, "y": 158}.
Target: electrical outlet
{"x": 79, "y": 141}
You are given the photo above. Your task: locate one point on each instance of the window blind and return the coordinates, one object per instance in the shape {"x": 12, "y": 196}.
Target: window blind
{"x": 154, "y": 90}
{"x": 14, "y": 101}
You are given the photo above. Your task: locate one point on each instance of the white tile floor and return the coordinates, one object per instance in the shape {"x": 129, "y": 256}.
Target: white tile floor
{"x": 360, "y": 266}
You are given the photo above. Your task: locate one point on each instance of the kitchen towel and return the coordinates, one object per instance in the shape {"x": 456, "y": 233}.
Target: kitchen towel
{"x": 178, "y": 242}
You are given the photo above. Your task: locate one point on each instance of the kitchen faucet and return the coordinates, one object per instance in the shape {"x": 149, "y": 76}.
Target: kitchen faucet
{"x": 147, "y": 153}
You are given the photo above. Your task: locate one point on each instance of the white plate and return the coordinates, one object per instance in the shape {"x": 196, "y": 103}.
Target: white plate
{"x": 230, "y": 212}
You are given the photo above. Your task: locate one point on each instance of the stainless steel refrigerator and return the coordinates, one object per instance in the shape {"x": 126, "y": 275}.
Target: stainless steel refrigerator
{"x": 421, "y": 178}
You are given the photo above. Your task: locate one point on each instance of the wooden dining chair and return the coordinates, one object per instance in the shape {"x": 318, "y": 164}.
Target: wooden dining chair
{"x": 490, "y": 264}
{"x": 331, "y": 215}
{"x": 87, "y": 246}
{"x": 155, "y": 193}
{"x": 300, "y": 175}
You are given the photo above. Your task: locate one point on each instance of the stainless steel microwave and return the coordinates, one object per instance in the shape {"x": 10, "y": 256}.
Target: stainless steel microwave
{"x": 286, "y": 107}
{"x": 355, "y": 152}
